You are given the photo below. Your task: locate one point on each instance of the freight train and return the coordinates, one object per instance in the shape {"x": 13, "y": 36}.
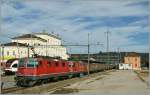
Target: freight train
{"x": 39, "y": 70}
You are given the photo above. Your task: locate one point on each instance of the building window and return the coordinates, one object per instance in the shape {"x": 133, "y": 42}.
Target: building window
{"x": 135, "y": 65}
{"x": 21, "y": 52}
{"x": 128, "y": 59}
{"x": 14, "y": 53}
{"x": 7, "y": 53}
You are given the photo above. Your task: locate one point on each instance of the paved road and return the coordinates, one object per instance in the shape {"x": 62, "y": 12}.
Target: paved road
{"x": 121, "y": 82}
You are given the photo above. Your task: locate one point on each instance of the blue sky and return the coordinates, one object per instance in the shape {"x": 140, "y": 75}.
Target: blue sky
{"x": 127, "y": 20}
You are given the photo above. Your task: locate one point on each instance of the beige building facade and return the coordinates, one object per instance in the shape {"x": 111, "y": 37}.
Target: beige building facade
{"x": 134, "y": 60}
{"x": 44, "y": 44}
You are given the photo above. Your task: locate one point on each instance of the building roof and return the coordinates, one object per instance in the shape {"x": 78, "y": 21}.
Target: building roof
{"x": 52, "y": 35}
{"x": 14, "y": 44}
{"x": 132, "y": 55}
{"x": 29, "y": 36}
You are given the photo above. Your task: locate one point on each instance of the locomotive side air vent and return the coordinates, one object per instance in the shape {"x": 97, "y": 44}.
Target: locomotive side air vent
{"x": 49, "y": 64}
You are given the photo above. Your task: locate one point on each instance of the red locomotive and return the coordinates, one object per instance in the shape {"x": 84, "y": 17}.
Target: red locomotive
{"x": 40, "y": 69}
{"x": 35, "y": 70}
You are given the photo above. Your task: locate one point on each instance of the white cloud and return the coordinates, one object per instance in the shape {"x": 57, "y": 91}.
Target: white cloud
{"x": 54, "y": 15}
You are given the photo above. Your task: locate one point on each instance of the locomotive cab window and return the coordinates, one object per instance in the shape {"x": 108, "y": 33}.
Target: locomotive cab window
{"x": 21, "y": 62}
{"x": 27, "y": 62}
{"x": 32, "y": 63}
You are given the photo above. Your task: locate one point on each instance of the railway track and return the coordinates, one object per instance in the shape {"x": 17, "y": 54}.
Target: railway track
{"x": 49, "y": 87}
{"x": 12, "y": 89}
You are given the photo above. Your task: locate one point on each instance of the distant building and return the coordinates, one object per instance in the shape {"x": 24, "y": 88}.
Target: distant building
{"x": 123, "y": 66}
{"x": 133, "y": 59}
{"x": 44, "y": 44}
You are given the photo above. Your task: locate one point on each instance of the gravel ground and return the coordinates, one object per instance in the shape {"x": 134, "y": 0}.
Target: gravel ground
{"x": 115, "y": 82}
{"x": 121, "y": 82}
{"x": 8, "y": 81}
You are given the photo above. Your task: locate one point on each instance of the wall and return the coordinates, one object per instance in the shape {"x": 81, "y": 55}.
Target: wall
{"x": 51, "y": 40}
{"x": 135, "y": 61}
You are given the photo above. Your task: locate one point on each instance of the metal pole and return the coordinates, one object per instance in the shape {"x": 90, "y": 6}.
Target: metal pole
{"x": 149, "y": 58}
{"x": 18, "y": 50}
{"x": 88, "y": 69}
{"x": 107, "y": 33}
{"x": 28, "y": 50}
{"x": 46, "y": 49}
{"x": 0, "y": 53}
{"x": 31, "y": 44}
{"x": 118, "y": 55}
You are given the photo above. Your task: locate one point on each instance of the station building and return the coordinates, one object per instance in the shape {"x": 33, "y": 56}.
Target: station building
{"x": 44, "y": 44}
{"x": 133, "y": 59}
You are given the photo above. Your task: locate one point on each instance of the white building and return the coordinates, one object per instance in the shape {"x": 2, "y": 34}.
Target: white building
{"x": 44, "y": 44}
